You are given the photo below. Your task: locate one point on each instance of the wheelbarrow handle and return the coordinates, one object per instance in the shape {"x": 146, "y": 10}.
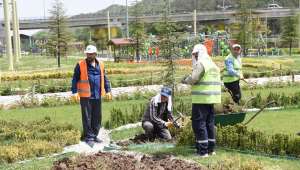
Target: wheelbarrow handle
{"x": 257, "y": 113}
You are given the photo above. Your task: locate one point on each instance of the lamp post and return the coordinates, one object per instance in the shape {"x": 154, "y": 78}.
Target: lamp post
{"x": 8, "y": 34}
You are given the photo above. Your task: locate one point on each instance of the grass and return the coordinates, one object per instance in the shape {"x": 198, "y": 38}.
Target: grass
{"x": 281, "y": 121}
{"x": 35, "y": 164}
{"x": 62, "y": 114}
{"x": 126, "y": 134}
{"x": 222, "y": 154}
{"x": 39, "y": 62}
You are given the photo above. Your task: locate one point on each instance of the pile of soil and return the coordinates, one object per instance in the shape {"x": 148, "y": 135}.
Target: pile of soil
{"x": 116, "y": 161}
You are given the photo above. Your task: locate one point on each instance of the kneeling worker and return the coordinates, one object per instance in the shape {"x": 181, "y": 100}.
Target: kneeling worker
{"x": 158, "y": 116}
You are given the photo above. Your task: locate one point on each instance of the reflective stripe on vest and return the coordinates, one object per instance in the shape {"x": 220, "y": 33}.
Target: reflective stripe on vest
{"x": 83, "y": 85}
{"x": 237, "y": 66}
{"x": 208, "y": 89}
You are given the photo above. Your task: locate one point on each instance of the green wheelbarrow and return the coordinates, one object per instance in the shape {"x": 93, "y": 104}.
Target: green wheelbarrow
{"x": 235, "y": 118}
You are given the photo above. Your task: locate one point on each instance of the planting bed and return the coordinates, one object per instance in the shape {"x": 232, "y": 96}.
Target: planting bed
{"x": 115, "y": 161}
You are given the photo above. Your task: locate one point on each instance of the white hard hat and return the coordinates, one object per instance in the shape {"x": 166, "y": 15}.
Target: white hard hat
{"x": 236, "y": 46}
{"x": 199, "y": 48}
{"x": 90, "y": 49}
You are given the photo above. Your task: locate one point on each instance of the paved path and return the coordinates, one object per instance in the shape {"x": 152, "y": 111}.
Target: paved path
{"x": 6, "y": 101}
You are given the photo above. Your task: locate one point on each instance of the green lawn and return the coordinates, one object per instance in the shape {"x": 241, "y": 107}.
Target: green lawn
{"x": 28, "y": 63}
{"x": 35, "y": 164}
{"x": 126, "y": 134}
{"x": 62, "y": 114}
{"x": 281, "y": 121}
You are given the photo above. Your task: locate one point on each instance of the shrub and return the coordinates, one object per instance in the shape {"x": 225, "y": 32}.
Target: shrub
{"x": 20, "y": 141}
{"x": 121, "y": 117}
{"x": 240, "y": 137}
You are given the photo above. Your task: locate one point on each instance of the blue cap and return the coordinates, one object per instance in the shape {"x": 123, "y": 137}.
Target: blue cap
{"x": 165, "y": 91}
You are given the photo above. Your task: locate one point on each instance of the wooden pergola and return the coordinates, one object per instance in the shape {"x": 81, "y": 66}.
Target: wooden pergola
{"x": 123, "y": 48}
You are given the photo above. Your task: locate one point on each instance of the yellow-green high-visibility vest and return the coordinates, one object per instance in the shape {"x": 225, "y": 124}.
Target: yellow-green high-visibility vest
{"x": 237, "y": 66}
{"x": 208, "y": 89}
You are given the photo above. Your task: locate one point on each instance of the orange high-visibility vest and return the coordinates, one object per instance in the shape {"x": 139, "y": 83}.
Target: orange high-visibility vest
{"x": 83, "y": 85}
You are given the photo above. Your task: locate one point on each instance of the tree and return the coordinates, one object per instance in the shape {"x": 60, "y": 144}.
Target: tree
{"x": 138, "y": 28}
{"x": 289, "y": 31}
{"x": 59, "y": 36}
{"x": 166, "y": 32}
{"x": 40, "y": 39}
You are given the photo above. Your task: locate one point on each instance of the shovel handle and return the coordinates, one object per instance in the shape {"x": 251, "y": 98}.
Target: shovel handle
{"x": 257, "y": 113}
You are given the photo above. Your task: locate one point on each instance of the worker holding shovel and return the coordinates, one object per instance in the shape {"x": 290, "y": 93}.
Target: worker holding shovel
{"x": 206, "y": 91}
{"x": 233, "y": 73}
{"x": 88, "y": 85}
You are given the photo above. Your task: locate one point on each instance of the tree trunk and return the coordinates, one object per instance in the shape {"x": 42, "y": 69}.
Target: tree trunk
{"x": 291, "y": 48}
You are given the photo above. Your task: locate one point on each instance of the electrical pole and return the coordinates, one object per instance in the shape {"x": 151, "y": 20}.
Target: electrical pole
{"x": 195, "y": 22}
{"x": 108, "y": 27}
{"x": 18, "y": 31}
{"x": 266, "y": 35}
{"x": 8, "y": 35}
{"x": 15, "y": 31}
{"x": 127, "y": 26}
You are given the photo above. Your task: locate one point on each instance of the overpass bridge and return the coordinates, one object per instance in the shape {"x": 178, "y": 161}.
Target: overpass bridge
{"x": 118, "y": 21}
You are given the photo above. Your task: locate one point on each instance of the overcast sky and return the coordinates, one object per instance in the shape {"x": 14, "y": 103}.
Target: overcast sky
{"x": 36, "y": 8}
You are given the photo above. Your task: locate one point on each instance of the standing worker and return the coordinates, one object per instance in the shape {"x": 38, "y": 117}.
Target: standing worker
{"x": 206, "y": 91}
{"x": 158, "y": 116}
{"x": 233, "y": 73}
{"x": 88, "y": 85}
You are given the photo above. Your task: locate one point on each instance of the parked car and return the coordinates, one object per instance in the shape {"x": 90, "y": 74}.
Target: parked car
{"x": 274, "y": 6}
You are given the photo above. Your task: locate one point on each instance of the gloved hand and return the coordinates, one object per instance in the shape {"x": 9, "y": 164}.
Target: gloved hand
{"x": 76, "y": 97}
{"x": 169, "y": 124}
{"x": 242, "y": 77}
{"x": 176, "y": 125}
{"x": 184, "y": 80}
{"x": 108, "y": 96}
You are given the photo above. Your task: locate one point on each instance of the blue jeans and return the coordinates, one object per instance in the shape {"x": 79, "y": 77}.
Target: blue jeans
{"x": 203, "y": 124}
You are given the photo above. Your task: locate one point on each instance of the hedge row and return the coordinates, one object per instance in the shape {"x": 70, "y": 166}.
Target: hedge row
{"x": 241, "y": 138}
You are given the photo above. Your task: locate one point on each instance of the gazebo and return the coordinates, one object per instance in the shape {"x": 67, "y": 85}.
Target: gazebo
{"x": 123, "y": 48}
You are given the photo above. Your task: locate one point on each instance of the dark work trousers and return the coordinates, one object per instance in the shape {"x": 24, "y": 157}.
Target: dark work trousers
{"x": 203, "y": 124}
{"x": 91, "y": 117}
{"x": 234, "y": 90}
{"x": 153, "y": 131}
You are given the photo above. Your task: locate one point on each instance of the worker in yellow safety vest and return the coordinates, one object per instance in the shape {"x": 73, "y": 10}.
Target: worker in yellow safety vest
{"x": 233, "y": 73}
{"x": 206, "y": 91}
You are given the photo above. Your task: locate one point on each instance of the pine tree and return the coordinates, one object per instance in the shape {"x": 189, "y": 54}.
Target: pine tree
{"x": 289, "y": 31}
{"x": 138, "y": 28}
{"x": 59, "y": 36}
{"x": 167, "y": 43}
{"x": 245, "y": 25}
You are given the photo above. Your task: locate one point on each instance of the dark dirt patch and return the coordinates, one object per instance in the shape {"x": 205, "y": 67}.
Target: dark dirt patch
{"x": 141, "y": 139}
{"x": 114, "y": 161}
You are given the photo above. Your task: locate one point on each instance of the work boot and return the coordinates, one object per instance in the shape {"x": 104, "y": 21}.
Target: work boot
{"x": 202, "y": 155}
{"x": 212, "y": 153}
{"x": 90, "y": 143}
{"x": 97, "y": 140}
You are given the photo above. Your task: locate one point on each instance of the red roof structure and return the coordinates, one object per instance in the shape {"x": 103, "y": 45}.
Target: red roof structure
{"x": 121, "y": 42}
